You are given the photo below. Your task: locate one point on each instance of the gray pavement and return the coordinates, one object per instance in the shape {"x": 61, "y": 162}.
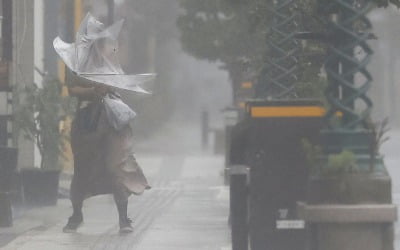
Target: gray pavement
{"x": 187, "y": 208}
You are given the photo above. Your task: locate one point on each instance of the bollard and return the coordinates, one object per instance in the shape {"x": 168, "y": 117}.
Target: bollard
{"x": 219, "y": 141}
{"x": 5, "y": 210}
{"x": 228, "y": 132}
{"x": 231, "y": 118}
{"x": 238, "y": 207}
{"x": 204, "y": 128}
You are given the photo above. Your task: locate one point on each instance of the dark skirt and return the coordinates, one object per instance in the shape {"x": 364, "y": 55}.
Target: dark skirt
{"x": 104, "y": 161}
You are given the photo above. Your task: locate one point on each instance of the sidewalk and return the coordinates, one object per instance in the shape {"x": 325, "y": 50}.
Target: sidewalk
{"x": 187, "y": 208}
{"x": 390, "y": 150}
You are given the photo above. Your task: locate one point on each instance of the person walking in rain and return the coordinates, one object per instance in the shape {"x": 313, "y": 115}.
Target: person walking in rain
{"x": 101, "y": 136}
{"x": 103, "y": 158}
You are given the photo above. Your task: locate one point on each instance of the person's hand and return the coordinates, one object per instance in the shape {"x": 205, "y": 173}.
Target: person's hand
{"x": 101, "y": 90}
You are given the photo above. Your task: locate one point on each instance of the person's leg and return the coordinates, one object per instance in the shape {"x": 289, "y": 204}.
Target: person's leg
{"x": 122, "y": 210}
{"x": 77, "y": 209}
{"x": 76, "y": 218}
{"x": 121, "y": 200}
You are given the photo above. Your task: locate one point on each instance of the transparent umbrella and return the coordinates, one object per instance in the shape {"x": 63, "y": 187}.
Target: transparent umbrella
{"x": 93, "y": 56}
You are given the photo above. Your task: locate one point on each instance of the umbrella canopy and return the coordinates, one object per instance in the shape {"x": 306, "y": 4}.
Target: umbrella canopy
{"x": 93, "y": 56}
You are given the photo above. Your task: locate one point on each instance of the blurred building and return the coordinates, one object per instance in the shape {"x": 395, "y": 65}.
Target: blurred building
{"x": 149, "y": 42}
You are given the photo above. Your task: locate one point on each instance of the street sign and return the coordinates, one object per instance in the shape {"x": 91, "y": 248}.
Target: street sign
{"x": 290, "y": 224}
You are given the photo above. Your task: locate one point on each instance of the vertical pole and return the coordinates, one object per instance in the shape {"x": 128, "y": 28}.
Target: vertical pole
{"x": 392, "y": 85}
{"x": 7, "y": 30}
{"x": 7, "y": 57}
{"x": 238, "y": 208}
{"x": 204, "y": 128}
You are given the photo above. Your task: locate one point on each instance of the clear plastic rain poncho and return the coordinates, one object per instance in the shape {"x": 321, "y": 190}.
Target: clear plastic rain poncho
{"x": 93, "y": 56}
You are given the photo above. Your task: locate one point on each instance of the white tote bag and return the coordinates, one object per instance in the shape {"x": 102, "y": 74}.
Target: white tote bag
{"x": 118, "y": 113}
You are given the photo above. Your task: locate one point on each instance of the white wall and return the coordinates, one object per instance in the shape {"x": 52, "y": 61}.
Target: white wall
{"x": 22, "y": 65}
{"x": 38, "y": 56}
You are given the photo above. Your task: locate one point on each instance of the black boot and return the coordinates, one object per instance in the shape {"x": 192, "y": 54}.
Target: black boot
{"x": 124, "y": 222}
{"x": 75, "y": 221}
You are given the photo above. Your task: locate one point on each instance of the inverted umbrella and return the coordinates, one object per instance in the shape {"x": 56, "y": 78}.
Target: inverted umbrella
{"x": 93, "y": 56}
